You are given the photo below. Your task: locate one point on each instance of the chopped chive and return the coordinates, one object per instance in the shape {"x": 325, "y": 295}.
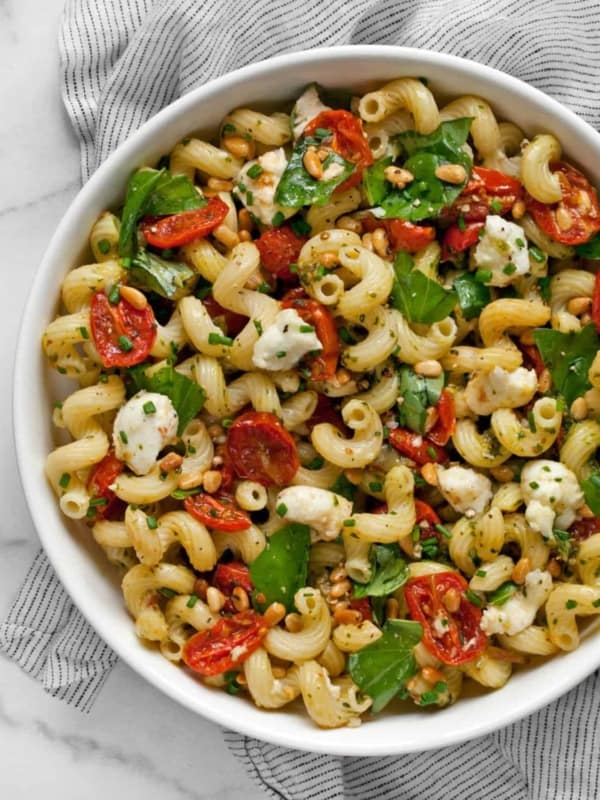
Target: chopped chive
{"x": 536, "y": 254}
{"x": 166, "y": 592}
{"x": 114, "y": 295}
{"x": 481, "y": 573}
{"x": 193, "y": 599}
{"x": 149, "y": 407}
{"x": 322, "y": 133}
{"x": 64, "y": 480}
{"x": 152, "y": 523}
{"x": 227, "y": 128}
{"x": 432, "y": 452}
{"x": 254, "y": 171}
{"x": 181, "y": 494}
{"x": 281, "y": 354}
{"x": 281, "y": 509}
{"x": 571, "y": 604}
{"x": 98, "y": 501}
{"x": 316, "y": 463}
{"x": 483, "y": 275}
{"x": 84, "y": 332}
{"x": 519, "y": 242}
{"x": 346, "y": 336}
{"x": 531, "y": 420}
{"x": 125, "y": 343}
{"x": 300, "y": 227}
{"x": 258, "y": 326}
{"x": 264, "y": 288}
{"x": 349, "y": 523}
{"x": 596, "y": 603}
{"x": 58, "y": 404}
{"x": 306, "y": 328}
{"x": 375, "y": 486}
{"x": 123, "y": 437}
{"x": 509, "y": 269}
{"x": 104, "y": 246}
{"x": 534, "y": 485}
{"x": 473, "y": 598}
{"x": 278, "y": 218}
{"x": 495, "y": 206}
{"x": 443, "y": 530}
{"x": 241, "y": 186}
{"x": 217, "y": 338}
{"x": 250, "y": 198}
{"x": 462, "y": 226}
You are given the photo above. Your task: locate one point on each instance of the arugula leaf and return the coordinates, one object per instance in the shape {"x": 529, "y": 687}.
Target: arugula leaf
{"x": 502, "y": 594}
{"x": 297, "y": 188}
{"x": 343, "y": 486}
{"x": 419, "y": 394}
{"x": 172, "y": 195}
{"x": 473, "y": 295}
{"x": 389, "y": 572}
{"x": 569, "y": 357}
{"x": 418, "y": 297}
{"x": 591, "y": 491}
{"x": 381, "y": 669}
{"x": 375, "y": 182}
{"x": 170, "y": 279}
{"x": 280, "y": 570}
{"x": 187, "y": 397}
{"x": 590, "y": 249}
{"x": 141, "y": 185}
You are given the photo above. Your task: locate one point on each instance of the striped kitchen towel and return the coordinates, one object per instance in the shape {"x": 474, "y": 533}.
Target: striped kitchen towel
{"x": 122, "y": 61}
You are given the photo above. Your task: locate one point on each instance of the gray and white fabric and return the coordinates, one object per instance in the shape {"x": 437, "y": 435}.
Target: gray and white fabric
{"x": 122, "y": 61}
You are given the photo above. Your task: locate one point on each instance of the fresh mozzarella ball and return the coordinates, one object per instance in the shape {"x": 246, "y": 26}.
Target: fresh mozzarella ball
{"x": 258, "y": 194}
{"x": 284, "y": 342}
{"x": 320, "y": 509}
{"x": 467, "y": 491}
{"x": 519, "y": 610}
{"x": 143, "y": 426}
{"x": 503, "y": 250}
{"x": 552, "y": 494}
{"x": 487, "y": 392}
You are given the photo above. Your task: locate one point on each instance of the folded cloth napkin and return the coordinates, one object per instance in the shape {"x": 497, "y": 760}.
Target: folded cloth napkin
{"x": 122, "y": 61}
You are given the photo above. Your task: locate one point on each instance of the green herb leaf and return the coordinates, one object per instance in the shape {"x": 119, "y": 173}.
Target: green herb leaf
{"x": 390, "y": 572}
{"x": 419, "y": 394}
{"x": 343, "y": 486}
{"x": 502, "y": 593}
{"x": 170, "y": 279}
{"x": 280, "y": 570}
{"x": 473, "y": 296}
{"x": 140, "y": 187}
{"x": 187, "y": 397}
{"x": 297, "y": 188}
{"x": 590, "y": 249}
{"x": 375, "y": 183}
{"x": 591, "y": 490}
{"x": 569, "y": 357}
{"x": 381, "y": 669}
{"x": 172, "y": 195}
{"x": 418, "y": 297}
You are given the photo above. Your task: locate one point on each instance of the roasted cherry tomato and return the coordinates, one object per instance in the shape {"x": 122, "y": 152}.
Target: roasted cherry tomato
{"x": 453, "y": 637}
{"x": 487, "y": 192}
{"x": 457, "y": 238}
{"x": 363, "y": 605}
{"x": 323, "y": 365}
{"x": 278, "y": 248}
{"x": 403, "y": 235}
{"x": 325, "y": 411}
{"x": 260, "y": 449}
{"x": 576, "y": 218}
{"x": 413, "y": 445}
{"x": 233, "y": 322}
{"x": 446, "y": 421}
{"x": 219, "y": 513}
{"x": 227, "y": 576}
{"x": 425, "y": 512}
{"x": 226, "y": 645}
{"x": 102, "y": 476}
{"x": 123, "y": 335}
{"x": 584, "y": 528}
{"x": 596, "y": 303}
{"x": 349, "y": 141}
{"x": 183, "y": 228}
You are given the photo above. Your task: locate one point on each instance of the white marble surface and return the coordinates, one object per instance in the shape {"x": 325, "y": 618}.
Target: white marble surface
{"x": 136, "y": 743}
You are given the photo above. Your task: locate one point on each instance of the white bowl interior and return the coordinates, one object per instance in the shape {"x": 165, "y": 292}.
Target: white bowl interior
{"x": 81, "y": 566}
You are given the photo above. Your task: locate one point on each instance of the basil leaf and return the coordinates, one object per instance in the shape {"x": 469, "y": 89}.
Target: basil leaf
{"x": 590, "y": 249}
{"x": 187, "y": 397}
{"x": 376, "y": 185}
{"x": 502, "y": 594}
{"x": 390, "y": 572}
{"x": 172, "y": 195}
{"x": 140, "y": 187}
{"x": 343, "y": 486}
{"x": 418, "y": 297}
{"x": 447, "y": 139}
{"x": 170, "y": 279}
{"x": 473, "y": 295}
{"x": 281, "y": 569}
{"x": 569, "y": 357}
{"x": 297, "y": 188}
{"x": 591, "y": 490}
{"x": 418, "y": 393}
{"x": 381, "y": 669}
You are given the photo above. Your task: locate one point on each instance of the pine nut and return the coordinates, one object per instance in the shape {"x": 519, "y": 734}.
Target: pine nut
{"x": 239, "y": 147}
{"x": 328, "y": 259}
{"x": 381, "y": 243}
{"x": 521, "y": 569}
{"x": 564, "y": 219}
{"x": 367, "y": 241}
{"x": 191, "y": 480}
{"x": 354, "y": 476}
{"x": 215, "y": 599}
{"x": 500, "y": 654}
{"x": 293, "y": 622}
{"x": 340, "y": 589}
{"x": 312, "y": 164}
{"x": 431, "y": 417}
{"x": 451, "y": 600}
{"x": 170, "y": 462}
{"x": 451, "y": 173}
{"x": 502, "y": 474}
{"x": 278, "y": 672}
{"x": 342, "y": 376}
{"x": 518, "y": 209}
{"x": 211, "y": 481}
{"x": 338, "y": 574}
{"x": 585, "y": 319}
{"x": 432, "y": 675}
{"x": 245, "y": 222}
{"x": 586, "y": 512}
{"x": 554, "y": 568}
{"x": 429, "y": 473}
{"x": 226, "y": 236}
{"x": 429, "y": 368}
{"x": 526, "y": 337}
{"x": 245, "y": 236}
{"x": 239, "y": 598}
{"x": 579, "y": 305}
{"x": 347, "y": 616}
{"x": 219, "y": 185}
{"x": 200, "y": 588}
{"x": 274, "y": 614}
{"x": 392, "y": 608}
{"x": 579, "y": 409}
{"x": 347, "y": 223}
{"x": 215, "y": 430}
{"x": 398, "y": 176}
{"x": 544, "y": 381}
{"x": 134, "y": 297}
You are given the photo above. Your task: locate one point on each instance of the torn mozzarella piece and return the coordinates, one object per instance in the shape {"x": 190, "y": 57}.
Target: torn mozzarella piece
{"x": 258, "y": 194}
{"x": 320, "y": 509}
{"x": 502, "y": 250}
{"x": 284, "y": 342}
{"x": 467, "y": 491}
{"x": 519, "y": 610}
{"x": 552, "y": 494}
{"x": 144, "y": 425}
{"x": 307, "y": 107}
{"x": 487, "y": 392}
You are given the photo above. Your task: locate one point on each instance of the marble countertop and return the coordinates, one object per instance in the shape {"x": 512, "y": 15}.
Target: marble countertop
{"x": 136, "y": 742}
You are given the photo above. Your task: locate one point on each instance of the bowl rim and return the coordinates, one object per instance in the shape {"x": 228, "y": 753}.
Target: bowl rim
{"x": 28, "y": 343}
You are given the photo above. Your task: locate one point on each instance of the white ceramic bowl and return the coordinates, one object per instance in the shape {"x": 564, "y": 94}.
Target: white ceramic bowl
{"x": 82, "y": 568}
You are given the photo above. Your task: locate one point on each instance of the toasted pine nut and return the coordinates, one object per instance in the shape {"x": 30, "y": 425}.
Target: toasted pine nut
{"x": 241, "y": 679}
{"x": 429, "y": 369}
{"x": 412, "y": 685}
{"x": 226, "y": 236}
{"x": 245, "y": 222}
{"x": 347, "y": 223}
{"x": 521, "y": 569}
{"x": 585, "y": 319}
{"x": 381, "y": 243}
{"x": 200, "y": 588}
{"x": 239, "y": 598}
{"x": 239, "y": 147}
{"x": 579, "y": 305}
{"x": 583, "y": 201}
{"x": 451, "y": 173}
{"x": 432, "y": 675}
{"x": 312, "y": 164}
{"x": 134, "y": 297}
{"x": 219, "y": 185}
{"x": 354, "y": 476}
{"x": 526, "y": 337}
{"x": 564, "y": 219}
{"x": 347, "y": 616}
{"x": 554, "y": 568}
{"x": 274, "y": 614}
{"x": 215, "y": 430}
{"x": 544, "y": 381}
{"x": 500, "y": 654}
{"x": 431, "y": 417}
{"x": 245, "y": 236}
{"x": 429, "y": 473}
{"x": 215, "y": 599}
{"x": 398, "y": 176}
{"x": 502, "y": 474}
{"x": 340, "y": 589}
{"x": 518, "y": 209}
{"x": 323, "y": 153}
{"x": 367, "y": 241}
{"x": 293, "y": 622}
{"x": 278, "y": 672}
{"x": 328, "y": 259}
{"x": 579, "y": 409}
{"x": 191, "y": 479}
{"x": 451, "y": 600}
{"x": 211, "y": 481}
{"x": 392, "y": 608}
{"x": 342, "y": 376}
{"x": 170, "y": 462}
{"x": 338, "y": 574}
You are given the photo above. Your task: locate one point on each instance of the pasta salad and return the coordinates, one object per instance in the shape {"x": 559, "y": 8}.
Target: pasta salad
{"x": 338, "y": 403}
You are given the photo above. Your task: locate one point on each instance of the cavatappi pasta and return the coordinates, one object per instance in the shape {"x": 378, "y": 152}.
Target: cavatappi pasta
{"x": 336, "y": 407}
